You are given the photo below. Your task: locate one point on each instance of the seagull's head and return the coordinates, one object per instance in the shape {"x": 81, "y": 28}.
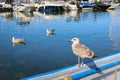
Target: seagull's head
{"x": 75, "y": 40}
{"x": 13, "y": 38}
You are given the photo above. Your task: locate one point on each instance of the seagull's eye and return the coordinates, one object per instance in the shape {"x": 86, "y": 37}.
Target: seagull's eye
{"x": 74, "y": 39}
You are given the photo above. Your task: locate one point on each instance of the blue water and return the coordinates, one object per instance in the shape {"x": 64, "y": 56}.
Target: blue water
{"x": 41, "y": 53}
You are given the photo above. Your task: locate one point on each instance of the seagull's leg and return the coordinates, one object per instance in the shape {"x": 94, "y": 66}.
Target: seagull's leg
{"x": 79, "y": 61}
{"x": 82, "y": 62}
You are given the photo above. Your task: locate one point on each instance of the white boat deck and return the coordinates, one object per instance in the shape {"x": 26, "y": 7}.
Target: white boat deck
{"x": 106, "y": 68}
{"x": 49, "y": 3}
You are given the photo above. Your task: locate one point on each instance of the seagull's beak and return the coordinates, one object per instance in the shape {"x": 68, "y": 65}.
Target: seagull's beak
{"x": 70, "y": 41}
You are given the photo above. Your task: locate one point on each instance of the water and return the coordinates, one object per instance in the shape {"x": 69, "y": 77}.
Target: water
{"x": 97, "y": 30}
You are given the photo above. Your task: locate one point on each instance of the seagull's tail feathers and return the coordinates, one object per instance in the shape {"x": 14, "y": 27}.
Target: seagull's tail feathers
{"x": 95, "y": 56}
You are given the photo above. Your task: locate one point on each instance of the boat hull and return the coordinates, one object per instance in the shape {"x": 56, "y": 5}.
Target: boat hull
{"x": 100, "y": 7}
{"x": 50, "y": 8}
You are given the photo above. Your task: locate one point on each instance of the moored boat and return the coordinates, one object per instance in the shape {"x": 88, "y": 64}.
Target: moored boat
{"x": 24, "y": 7}
{"x": 113, "y": 6}
{"x": 87, "y": 5}
{"x": 47, "y": 6}
{"x": 5, "y": 7}
{"x": 100, "y": 7}
{"x": 21, "y": 6}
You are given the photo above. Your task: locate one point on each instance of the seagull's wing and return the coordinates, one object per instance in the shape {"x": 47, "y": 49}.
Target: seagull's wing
{"x": 82, "y": 50}
{"x": 89, "y": 52}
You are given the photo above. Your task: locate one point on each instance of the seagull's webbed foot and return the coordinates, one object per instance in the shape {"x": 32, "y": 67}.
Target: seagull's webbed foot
{"x": 80, "y": 65}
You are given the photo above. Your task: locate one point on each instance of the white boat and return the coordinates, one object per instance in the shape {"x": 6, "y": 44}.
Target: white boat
{"x": 5, "y": 7}
{"x": 47, "y": 6}
{"x": 73, "y": 6}
{"x": 24, "y": 7}
{"x": 21, "y": 6}
{"x": 113, "y": 6}
{"x": 47, "y": 17}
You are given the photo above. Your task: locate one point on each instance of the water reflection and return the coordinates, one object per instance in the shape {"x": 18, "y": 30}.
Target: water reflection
{"x": 47, "y": 16}
{"x": 14, "y": 44}
{"x": 73, "y": 16}
{"x": 114, "y": 29}
{"x": 7, "y": 15}
{"x": 23, "y": 18}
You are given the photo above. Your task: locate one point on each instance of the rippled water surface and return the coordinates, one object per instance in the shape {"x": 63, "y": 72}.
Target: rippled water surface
{"x": 100, "y": 31}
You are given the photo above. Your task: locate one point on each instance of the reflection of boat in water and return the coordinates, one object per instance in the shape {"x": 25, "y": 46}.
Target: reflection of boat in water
{"x": 23, "y": 18}
{"x": 49, "y": 16}
{"x": 114, "y": 29}
{"x": 73, "y": 15}
{"x": 7, "y": 15}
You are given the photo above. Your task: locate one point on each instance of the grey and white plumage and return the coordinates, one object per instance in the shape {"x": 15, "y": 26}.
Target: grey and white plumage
{"x": 81, "y": 50}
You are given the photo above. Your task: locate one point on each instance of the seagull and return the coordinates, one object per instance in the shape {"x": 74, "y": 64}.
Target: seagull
{"x": 81, "y": 51}
{"x": 50, "y": 31}
{"x": 17, "y": 40}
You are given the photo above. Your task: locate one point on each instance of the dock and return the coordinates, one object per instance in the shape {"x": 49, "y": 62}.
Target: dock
{"x": 106, "y": 68}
